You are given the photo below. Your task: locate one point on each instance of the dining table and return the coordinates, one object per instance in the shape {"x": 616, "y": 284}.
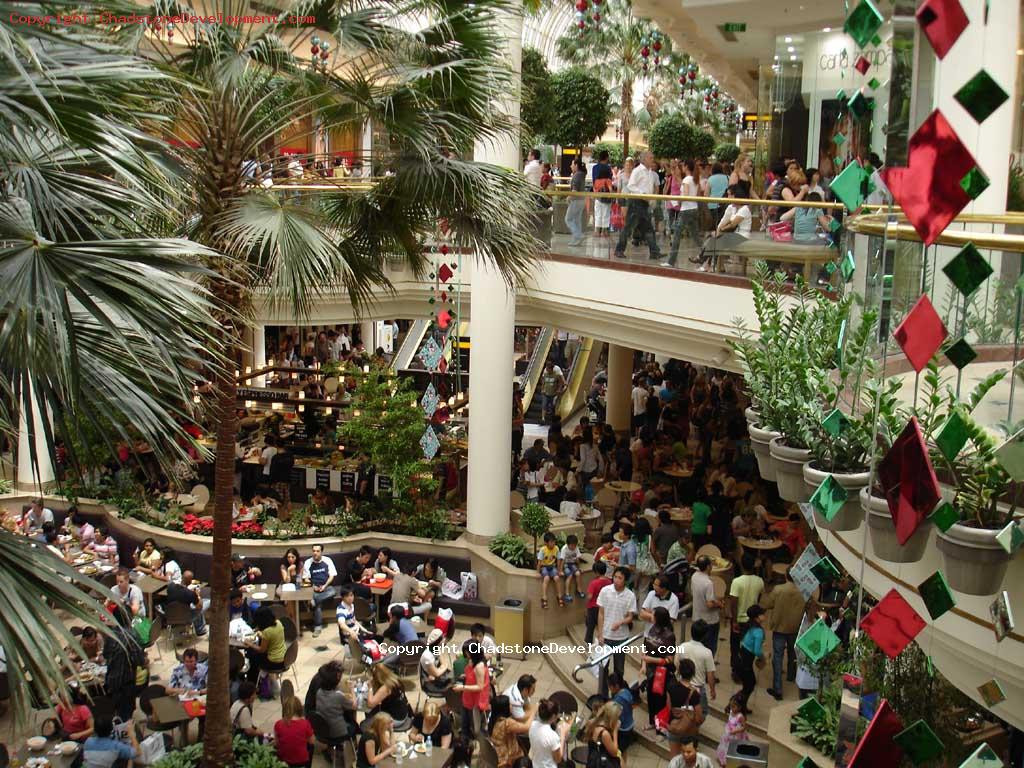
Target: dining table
{"x": 293, "y": 598}
{"x": 173, "y": 710}
{"x": 378, "y": 589}
{"x": 150, "y": 586}
{"x": 435, "y": 759}
{"x": 51, "y": 752}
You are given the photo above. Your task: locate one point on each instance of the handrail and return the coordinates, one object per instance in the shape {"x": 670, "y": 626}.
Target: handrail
{"x": 698, "y": 199}
{"x": 535, "y": 365}
{"x": 879, "y": 225}
{"x": 603, "y": 657}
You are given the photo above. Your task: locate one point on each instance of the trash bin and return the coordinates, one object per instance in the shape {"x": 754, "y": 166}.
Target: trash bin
{"x": 510, "y": 627}
{"x": 752, "y": 753}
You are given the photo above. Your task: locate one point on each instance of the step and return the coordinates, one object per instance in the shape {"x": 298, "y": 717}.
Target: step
{"x": 759, "y": 730}
{"x": 562, "y": 664}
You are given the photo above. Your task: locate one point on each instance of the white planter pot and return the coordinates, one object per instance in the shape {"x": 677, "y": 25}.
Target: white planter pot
{"x": 789, "y": 470}
{"x": 759, "y": 443}
{"x": 752, "y": 415}
{"x": 849, "y": 517}
{"x": 882, "y": 531}
{"x": 973, "y": 561}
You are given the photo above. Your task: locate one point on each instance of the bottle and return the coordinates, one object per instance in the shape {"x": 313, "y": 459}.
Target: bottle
{"x": 399, "y": 756}
{"x": 430, "y": 746}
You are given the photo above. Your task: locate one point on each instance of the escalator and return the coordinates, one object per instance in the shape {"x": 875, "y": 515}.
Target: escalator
{"x": 579, "y": 377}
{"x": 410, "y": 345}
{"x": 531, "y": 378}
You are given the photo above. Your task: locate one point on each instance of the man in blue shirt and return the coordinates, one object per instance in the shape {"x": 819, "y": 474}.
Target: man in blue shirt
{"x": 718, "y": 182}
{"x": 320, "y": 572}
{"x": 622, "y": 696}
{"x": 400, "y": 629}
{"x": 102, "y": 751}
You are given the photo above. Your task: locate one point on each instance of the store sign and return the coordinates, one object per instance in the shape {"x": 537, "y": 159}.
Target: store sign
{"x": 323, "y": 479}
{"x": 878, "y": 57}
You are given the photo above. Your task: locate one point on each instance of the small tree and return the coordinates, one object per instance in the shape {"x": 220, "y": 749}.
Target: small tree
{"x": 535, "y": 520}
{"x": 614, "y": 149}
{"x": 726, "y": 153}
{"x": 536, "y": 110}
{"x": 581, "y": 108}
{"x": 672, "y": 136}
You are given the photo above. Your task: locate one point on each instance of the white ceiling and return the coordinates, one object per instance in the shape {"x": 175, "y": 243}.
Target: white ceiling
{"x": 694, "y": 28}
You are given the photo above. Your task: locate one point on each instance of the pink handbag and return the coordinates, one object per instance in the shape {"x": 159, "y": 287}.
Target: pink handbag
{"x": 781, "y": 231}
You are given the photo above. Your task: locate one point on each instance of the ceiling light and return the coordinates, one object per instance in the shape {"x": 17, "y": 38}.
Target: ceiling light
{"x": 790, "y": 49}
{"x": 827, "y": 29}
{"x": 1020, "y": 51}
{"x": 776, "y": 57}
{"x": 792, "y": 58}
{"x": 789, "y": 39}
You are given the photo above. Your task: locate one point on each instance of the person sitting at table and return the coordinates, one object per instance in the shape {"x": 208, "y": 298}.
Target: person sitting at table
{"x": 238, "y": 607}
{"x": 399, "y": 629}
{"x": 268, "y": 653}
{"x": 293, "y": 735}
{"x": 359, "y": 568}
{"x": 335, "y": 706}
{"x": 80, "y": 528}
{"x": 185, "y": 594}
{"x": 385, "y": 563}
{"x": 189, "y": 676}
{"x": 102, "y": 750}
{"x": 35, "y": 516}
{"x": 406, "y": 589}
{"x": 348, "y": 625}
{"x": 432, "y": 573}
{"x": 169, "y": 569}
{"x": 129, "y": 594}
{"x": 432, "y": 723}
{"x": 682, "y": 549}
{"x": 434, "y": 678}
{"x": 104, "y": 547}
{"x": 462, "y": 754}
{"x": 791, "y": 532}
{"x": 320, "y": 572}
{"x": 241, "y": 711}
{"x": 147, "y": 557}
{"x": 504, "y": 730}
{"x": 91, "y": 642}
{"x": 241, "y": 575}
{"x": 377, "y": 742}
{"x": 291, "y": 566}
{"x": 76, "y": 722}
{"x": 741, "y": 524}
{"x": 53, "y": 545}
{"x": 387, "y": 696}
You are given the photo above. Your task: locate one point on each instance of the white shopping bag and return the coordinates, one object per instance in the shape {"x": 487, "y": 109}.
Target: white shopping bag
{"x": 451, "y": 589}
{"x": 595, "y": 651}
{"x": 151, "y": 749}
{"x": 469, "y": 588}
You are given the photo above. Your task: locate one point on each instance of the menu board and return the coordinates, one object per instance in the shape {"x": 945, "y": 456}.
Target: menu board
{"x": 384, "y": 485}
{"x": 347, "y": 482}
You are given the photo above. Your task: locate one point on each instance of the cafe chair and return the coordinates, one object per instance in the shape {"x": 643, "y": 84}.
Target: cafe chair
{"x": 178, "y": 618}
{"x": 487, "y": 755}
{"x": 710, "y": 550}
{"x": 331, "y": 384}
{"x": 364, "y": 612}
{"x": 155, "y": 630}
{"x": 201, "y": 494}
{"x": 291, "y": 632}
{"x": 322, "y": 730}
{"x": 453, "y": 700}
{"x": 516, "y": 500}
{"x": 357, "y": 664}
{"x": 290, "y": 655}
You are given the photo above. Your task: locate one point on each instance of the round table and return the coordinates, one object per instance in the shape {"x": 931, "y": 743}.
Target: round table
{"x": 680, "y": 473}
{"x": 623, "y": 486}
{"x": 763, "y": 545}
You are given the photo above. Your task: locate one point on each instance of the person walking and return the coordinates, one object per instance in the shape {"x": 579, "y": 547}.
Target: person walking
{"x": 642, "y": 181}
{"x": 744, "y": 593}
{"x": 785, "y": 605}
{"x": 603, "y": 181}
{"x": 574, "y": 213}
{"x": 686, "y": 220}
{"x": 706, "y": 605}
{"x": 616, "y": 608}
{"x": 751, "y": 653}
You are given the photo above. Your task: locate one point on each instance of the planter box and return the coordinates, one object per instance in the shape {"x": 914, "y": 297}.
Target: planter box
{"x": 849, "y": 517}
{"x": 759, "y": 443}
{"x": 789, "y": 470}
{"x": 973, "y": 561}
{"x": 882, "y": 531}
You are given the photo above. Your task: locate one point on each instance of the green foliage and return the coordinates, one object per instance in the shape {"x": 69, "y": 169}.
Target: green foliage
{"x": 614, "y": 149}
{"x": 672, "y": 136}
{"x": 535, "y": 519}
{"x": 248, "y": 754}
{"x": 430, "y": 523}
{"x": 581, "y": 107}
{"x": 6, "y": 486}
{"x": 511, "y": 549}
{"x": 992, "y": 314}
{"x": 821, "y": 732}
{"x": 726, "y": 152}
{"x": 536, "y": 110}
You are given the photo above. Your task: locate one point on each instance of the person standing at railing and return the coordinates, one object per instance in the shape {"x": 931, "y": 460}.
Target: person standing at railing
{"x": 718, "y": 182}
{"x": 602, "y": 182}
{"x": 577, "y": 205}
{"x": 686, "y": 219}
{"x": 642, "y": 181}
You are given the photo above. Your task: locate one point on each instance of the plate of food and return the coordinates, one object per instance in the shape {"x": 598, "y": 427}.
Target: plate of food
{"x": 37, "y": 762}
{"x": 106, "y": 568}
{"x": 260, "y": 595}
{"x": 421, "y": 748}
{"x": 90, "y": 570}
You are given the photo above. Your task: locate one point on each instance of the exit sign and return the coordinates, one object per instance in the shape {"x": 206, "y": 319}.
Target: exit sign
{"x": 735, "y": 26}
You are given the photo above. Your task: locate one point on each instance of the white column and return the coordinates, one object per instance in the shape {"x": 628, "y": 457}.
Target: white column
{"x": 33, "y": 478}
{"x": 620, "y": 388}
{"x": 367, "y": 330}
{"x": 492, "y": 330}
{"x": 259, "y": 350}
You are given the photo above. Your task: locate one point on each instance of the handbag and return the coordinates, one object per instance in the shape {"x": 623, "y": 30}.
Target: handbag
{"x": 781, "y": 231}
{"x": 646, "y": 565}
{"x": 658, "y": 682}
{"x": 684, "y": 723}
{"x": 151, "y": 749}
{"x": 618, "y": 218}
{"x": 143, "y": 629}
{"x": 469, "y": 585}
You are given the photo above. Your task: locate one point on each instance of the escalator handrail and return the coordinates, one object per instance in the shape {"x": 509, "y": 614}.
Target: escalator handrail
{"x": 604, "y": 656}
{"x": 536, "y": 364}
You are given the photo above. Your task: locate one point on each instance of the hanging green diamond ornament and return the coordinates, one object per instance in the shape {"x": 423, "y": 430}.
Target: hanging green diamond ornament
{"x": 1010, "y": 456}
{"x": 873, "y": 83}
{"x": 817, "y": 641}
{"x": 919, "y": 743}
{"x": 974, "y": 183}
{"x": 839, "y": 139}
{"x": 937, "y": 596}
{"x": 863, "y": 23}
{"x": 806, "y": 762}
{"x": 848, "y": 186}
{"x": 830, "y": 268}
{"x": 983, "y": 757}
{"x": 859, "y": 106}
{"x": 829, "y": 498}
{"x": 992, "y": 693}
{"x": 960, "y": 353}
{"x": 847, "y": 266}
{"x": 825, "y": 570}
{"x": 835, "y": 422}
{"x": 811, "y": 710}
{"x": 876, "y": 40}
{"x": 968, "y": 270}
{"x": 944, "y": 516}
{"x": 952, "y": 436}
{"x": 981, "y": 96}
{"x": 1011, "y": 537}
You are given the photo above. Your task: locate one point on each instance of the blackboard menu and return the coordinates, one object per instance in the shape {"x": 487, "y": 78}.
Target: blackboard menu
{"x": 348, "y": 482}
{"x": 323, "y": 479}
{"x": 383, "y": 485}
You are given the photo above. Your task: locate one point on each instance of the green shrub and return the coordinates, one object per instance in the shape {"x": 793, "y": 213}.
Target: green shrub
{"x": 726, "y": 153}
{"x": 581, "y": 107}
{"x": 614, "y": 149}
{"x": 248, "y": 754}
{"x": 672, "y": 136}
{"x": 511, "y": 549}
{"x": 535, "y": 519}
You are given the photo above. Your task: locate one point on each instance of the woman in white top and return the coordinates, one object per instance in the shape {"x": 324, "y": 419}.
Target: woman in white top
{"x": 547, "y": 736}
{"x": 733, "y": 230}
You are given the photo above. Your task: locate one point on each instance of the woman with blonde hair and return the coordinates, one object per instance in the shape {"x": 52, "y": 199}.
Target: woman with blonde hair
{"x": 743, "y": 171}
{"x": 388, "y": 695}
{"x": 377, "y": 742}
{"x": 602, "y": 736}
{"x": 432, "y": 723}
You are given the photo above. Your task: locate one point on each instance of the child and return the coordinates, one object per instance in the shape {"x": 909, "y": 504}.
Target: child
{"x": 607, "y": 553}
{"x": 599, "y": 582}
{"x": 547, "y": 566}
{"x": 568, "y": 566}
{"x": 735, "y": 729}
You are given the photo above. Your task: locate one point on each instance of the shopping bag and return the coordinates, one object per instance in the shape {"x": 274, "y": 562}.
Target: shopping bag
{"x": 143, "y": 629}
{"x": 451, "y": 589}
{"x": 595, "y": 652}
{"x": 658, "y": 683}
{"x": 781, "y": 231}
{"x": 662, "y": 718}
{"x": 469, "y": 588}
{"x": 443, "y": 620}
{"x": 151, "y": 749}
{"x": 120, "y": 730}
{"x": 618, "y": 219}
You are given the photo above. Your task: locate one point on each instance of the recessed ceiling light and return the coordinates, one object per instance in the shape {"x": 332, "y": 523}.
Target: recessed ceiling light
{"x": 776, "y": 57}
{"x": 790, "y": 49}
{"x": 789, "y": 39}
{"x": 1020, "y": 51}
{"x": 792, "y": 58}
{"x": 827, "y": 29}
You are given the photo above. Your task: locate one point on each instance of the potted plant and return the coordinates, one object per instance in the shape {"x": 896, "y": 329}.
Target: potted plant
{"x": 851, "y": 401}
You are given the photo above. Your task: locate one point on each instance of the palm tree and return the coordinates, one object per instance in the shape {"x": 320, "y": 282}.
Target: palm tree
{"x": 229, "y": 90}
{"x": 612, "y": 50}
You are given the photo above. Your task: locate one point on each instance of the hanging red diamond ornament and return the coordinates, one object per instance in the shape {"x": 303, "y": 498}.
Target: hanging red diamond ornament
{"x": 942, "y": 21}
{"x": 893, "y": 624}
{"x": 921, "y": 333}
{"x": 444, "y": 250}
{"x": 597, "y": 16}
{"x": 315, "y": 50}
{"x": 657, "y": 45}
{"x": 645, "y": 51}
{"x": 581, "y": 5}
{"x": 908, "y": 481}
{"x": 444, "y": 296}
{"x": 862, "y": 65}
{"x": 444, "y": 319}
{"x": 444, "y": 273}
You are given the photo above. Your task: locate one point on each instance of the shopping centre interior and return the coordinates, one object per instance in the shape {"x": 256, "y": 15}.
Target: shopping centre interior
{"x": 610, "y": 383}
